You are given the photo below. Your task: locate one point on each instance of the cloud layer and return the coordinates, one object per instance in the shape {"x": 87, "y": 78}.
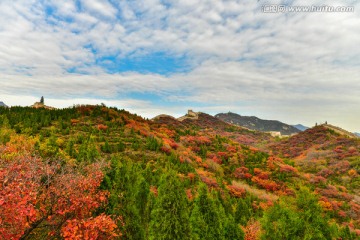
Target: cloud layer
{"x": 296, "y": 67}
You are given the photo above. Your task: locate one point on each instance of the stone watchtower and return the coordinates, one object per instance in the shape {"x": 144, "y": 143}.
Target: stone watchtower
{"x": 191, "y": 113}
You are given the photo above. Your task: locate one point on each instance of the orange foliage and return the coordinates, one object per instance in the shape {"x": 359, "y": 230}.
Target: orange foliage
{"x": 191, "y": 176}
{"x": 342, "y": 214}
{"x": 74, "y": 121}
{"x": 265, "y": 183}
{"x": 326, "y": 205}
{"x": 352, "y": 172}
{"x": 231, "y": 149}
{"x": 189, "y": 194}
{"x": 287, "y": 169}
{"x": 102, "y": 127}
{"x": 266, "y": 205}
{"x": 261, "y": 174}
{"x": 236, "y": 191}
{"x": 252, "y": 230}
{"x": 100, "y": 227}
{"x": 198, "y": 159}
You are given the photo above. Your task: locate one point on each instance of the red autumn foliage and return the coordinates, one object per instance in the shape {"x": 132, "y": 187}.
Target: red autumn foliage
{"x": 261, "y": 174}
{"x": 100, "y": 227}
{"x": 231, "y": 149}
{"x": 189, "y": 194}
{"x": 174, "y": 145}
{"x": 332, "y": 192}
{"x": 196, "y": 140}
{"x": 209, "y": 181}
{"x": 242, "y": 173}
{"x": 342, "y": 214}
{"x": 165, "y": 149}
{"x": 326, "y": 172}
{"x": 203, "y": 140}
{"x": 352, "y": 150}
{"x": 318, "y": 179}
{"x": 252, "y": 230}
{"x": 265, "y": 183}
{"x": 154, "y": 190}
{"x": 217, "y": 160}
{"x": 284, "y": 168}
{"x": 355, "y": 210}
{"x": 341, "y": 167}
{"x": 102, "y": 127}
{"x": 266, "y": 205}
{"x": 33, "y": 192}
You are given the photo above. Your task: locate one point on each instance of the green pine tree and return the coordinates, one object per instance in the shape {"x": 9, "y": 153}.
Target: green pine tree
{"x": 169, "y": 217}
{"x": 205, "y": 219}
{"x": 303, "y": 219}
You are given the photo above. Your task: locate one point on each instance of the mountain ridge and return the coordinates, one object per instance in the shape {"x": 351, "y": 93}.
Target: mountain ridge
{"x": 300, "y": 127}
{"x": 255, "y": 123}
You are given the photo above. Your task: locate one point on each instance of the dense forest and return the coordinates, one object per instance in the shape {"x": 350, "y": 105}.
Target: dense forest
{"x": 94, "y": 172}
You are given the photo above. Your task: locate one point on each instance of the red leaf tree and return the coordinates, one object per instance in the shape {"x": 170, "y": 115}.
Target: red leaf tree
{"x": 39, "y": 197}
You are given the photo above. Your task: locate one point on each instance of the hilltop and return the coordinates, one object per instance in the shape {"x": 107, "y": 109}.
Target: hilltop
{"x": 186, "y": 171}
{"x": 258, "y": 124}
{"x": 2, "y": 104}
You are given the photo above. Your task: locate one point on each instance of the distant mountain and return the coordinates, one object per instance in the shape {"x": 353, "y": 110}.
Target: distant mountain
{"x": 300, "y": 127}
{"x": 2, "y": 104}
{"x": 357, "y": 134}
{"x": 255, "y": 123}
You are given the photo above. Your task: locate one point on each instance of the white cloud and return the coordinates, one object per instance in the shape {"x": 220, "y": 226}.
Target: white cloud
{"x": 102, "y": 7}
{"x": 290, "y": 66}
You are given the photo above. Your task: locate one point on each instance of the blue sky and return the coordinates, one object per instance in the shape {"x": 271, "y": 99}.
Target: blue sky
{"x": 165, "y": 56}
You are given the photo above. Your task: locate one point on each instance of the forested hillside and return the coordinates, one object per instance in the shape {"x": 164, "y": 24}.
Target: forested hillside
{"x": 93, "y": 172}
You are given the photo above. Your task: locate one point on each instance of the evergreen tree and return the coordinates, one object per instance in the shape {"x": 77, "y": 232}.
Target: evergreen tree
{"x": 169, "y": 217}
{"x": 243, "y": 211}
{"x": 303, "y": 219}
{"x": 42, "y": 100}
{"x": 232, "y": 229}
{"x": 123, "y": 196}
{"x": 207, "y": 216}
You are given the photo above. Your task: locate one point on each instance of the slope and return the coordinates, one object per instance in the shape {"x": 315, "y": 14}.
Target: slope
{"x": 244, "y": 172}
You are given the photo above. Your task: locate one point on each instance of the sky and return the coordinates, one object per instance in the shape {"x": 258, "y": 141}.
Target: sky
{"x": 155, "y": 57}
